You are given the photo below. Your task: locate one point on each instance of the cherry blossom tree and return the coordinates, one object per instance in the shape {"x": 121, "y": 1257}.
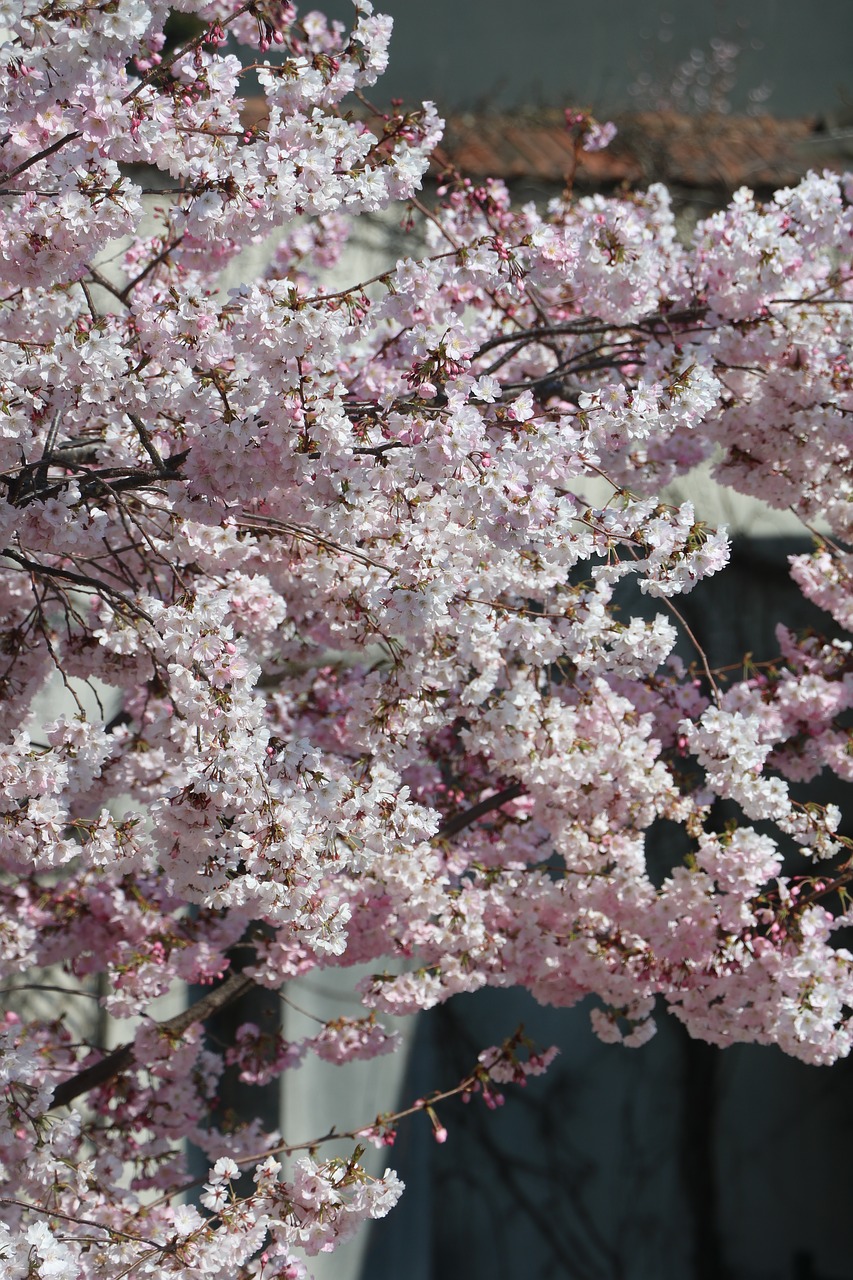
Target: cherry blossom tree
{"x": 335, "y": 551}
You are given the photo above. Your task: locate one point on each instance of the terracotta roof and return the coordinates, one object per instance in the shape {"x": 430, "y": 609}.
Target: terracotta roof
{"x": 717, "y": 152}
{"x": 720, "y": 152}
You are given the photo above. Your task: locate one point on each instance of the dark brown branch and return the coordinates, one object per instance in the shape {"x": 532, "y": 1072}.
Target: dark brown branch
{"x": 40, "y": 155}
{"x": 91, "y": 1077}
{"x": 151, "y": 266}
{"x": 148, "y": 443}
{"x": 79, "y": 579}
{"x": 122, "y": 1059}
{"x": 377, "y": 451}
{"x": 99, "y": 278}
{"x": 464, "y": 819}
{"x": 580, "y": 328}
{"x": 163, "y": 67}
{"x": 32, "y": 483}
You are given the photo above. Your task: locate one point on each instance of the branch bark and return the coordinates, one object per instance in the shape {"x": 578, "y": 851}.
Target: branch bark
{"x": 121, "y": 1059}
{"x": 464, "y": 819}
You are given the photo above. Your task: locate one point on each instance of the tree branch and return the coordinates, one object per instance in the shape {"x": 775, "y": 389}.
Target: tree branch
{"x": 464, "y": 819}
{"x": 79, "y": 579}
{"x": 122, "y": 1059}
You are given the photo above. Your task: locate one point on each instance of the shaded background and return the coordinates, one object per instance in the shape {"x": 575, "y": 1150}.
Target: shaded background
{"x": 614, "y": 55}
